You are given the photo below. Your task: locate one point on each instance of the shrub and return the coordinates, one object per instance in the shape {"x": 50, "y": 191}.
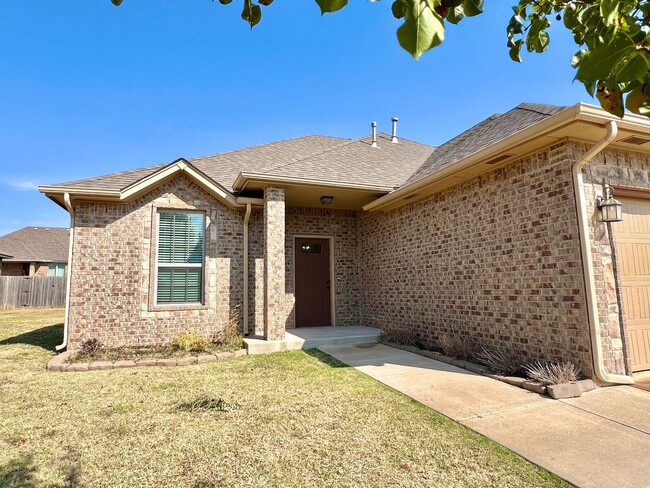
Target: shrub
{"x": 552, "y": 373}
{"x": 231, "y": 337}
{"x": 501, "y": 363}
{"x": 191, "y": 342}
{"x": 90, "y": 346}
{"x": 461, "y": 347}
{"x": 398, "y": 335}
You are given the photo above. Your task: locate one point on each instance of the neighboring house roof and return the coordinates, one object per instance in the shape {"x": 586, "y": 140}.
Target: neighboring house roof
{"x": 488, "y": 132}
{"x": 43, "y": 244}
{"x": 313, "y": 157}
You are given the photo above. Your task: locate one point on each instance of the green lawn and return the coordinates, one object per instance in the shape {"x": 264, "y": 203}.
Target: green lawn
{"x": 290, "y": 419}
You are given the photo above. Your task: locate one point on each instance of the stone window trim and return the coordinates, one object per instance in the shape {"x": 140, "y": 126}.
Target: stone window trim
{"x": 153, "y": 261}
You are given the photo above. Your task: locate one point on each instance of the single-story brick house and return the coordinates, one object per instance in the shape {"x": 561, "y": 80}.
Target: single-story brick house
{"x": 35, "y": 251}
{"x": 495, "y": 234}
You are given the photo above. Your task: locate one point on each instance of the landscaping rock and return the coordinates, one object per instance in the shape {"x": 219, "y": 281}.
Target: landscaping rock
{"x": 461, "y": 363}
{"x": 99, "y": 365}
{"x": 166, "y": 362}
{"x": 534, "y": 386}
{"x": 146, "y": 362}
{"x": 413, "y": 349}
{"x": 587, "y": 385}
{"x": 475, "y": 368}
{"x": 206, "y": 358}
{"x": 511, "y": 380}
{"x": 187, "y": 361}
{"x": 431, "y": 354}
{"x": 445, "y": 359}
{"x": 124, "y": 364}
{"x": 78, "y": 367}
{"x": 564, "y": 390}
{"x": 58, "y": 362}
{"x": 224, "y": 355}
{"x": 240, "y": 353}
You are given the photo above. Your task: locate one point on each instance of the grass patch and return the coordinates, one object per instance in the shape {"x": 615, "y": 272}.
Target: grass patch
{"x": 301, "y": 419}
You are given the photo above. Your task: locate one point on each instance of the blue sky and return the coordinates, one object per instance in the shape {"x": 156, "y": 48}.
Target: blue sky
{"x": 87, "y": 88}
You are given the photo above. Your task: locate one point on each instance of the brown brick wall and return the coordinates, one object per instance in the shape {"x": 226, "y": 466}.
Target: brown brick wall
{"x": 615, "y": 167}
{"x": 496, "y": 258}
{"x": 111, "y": 299}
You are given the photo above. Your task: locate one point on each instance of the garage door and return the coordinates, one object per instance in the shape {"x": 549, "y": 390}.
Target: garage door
{"x": 633, "y": 246}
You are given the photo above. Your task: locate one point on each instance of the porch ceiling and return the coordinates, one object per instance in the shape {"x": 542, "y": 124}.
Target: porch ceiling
{"x": 308, "y": 194}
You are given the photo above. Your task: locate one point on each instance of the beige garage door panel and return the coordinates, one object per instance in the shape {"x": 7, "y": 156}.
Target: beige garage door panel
{"x": 633, "y": 247}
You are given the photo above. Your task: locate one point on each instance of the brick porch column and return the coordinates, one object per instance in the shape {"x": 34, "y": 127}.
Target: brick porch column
{"x": 274, "y": 264}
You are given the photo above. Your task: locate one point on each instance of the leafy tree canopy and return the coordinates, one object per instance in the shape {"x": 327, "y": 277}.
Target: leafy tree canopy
{"x": 613, "y": 57}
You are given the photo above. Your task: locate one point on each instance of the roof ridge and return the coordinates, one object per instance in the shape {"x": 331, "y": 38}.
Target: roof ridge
{"x": 263, "y": 145}
{"x": 318, "y": 153}
{"x": 529, "y": 107}
{"x": 401, "y": 139}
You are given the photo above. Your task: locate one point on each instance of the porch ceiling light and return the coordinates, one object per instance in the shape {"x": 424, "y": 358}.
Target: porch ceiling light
{"x": 326, "y": 200}
{"x": 610, "y": 208}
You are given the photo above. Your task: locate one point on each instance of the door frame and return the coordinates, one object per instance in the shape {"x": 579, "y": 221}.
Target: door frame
{"x": 329, "y": 238}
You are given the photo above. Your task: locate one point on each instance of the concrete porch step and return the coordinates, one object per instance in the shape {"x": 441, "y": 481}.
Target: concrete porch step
{"x": 312, "y": 337}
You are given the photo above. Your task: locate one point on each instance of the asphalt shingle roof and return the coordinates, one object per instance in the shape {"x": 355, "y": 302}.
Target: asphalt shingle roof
{"x": 313, "y": 157}
{"x": 36, "y": 244}
{"x": 482, "y": 135}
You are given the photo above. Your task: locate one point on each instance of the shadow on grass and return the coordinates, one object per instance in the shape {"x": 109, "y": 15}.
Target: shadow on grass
{"x": 18, "y": 472}
{"x": 46, "y": 337}
{"x": 325, "y": 358}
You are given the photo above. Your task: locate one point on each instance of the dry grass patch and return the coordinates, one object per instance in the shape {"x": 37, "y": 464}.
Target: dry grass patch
{"x": 288, "y": 419}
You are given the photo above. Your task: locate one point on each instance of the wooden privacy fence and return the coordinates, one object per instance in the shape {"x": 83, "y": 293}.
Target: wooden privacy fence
{"x": 32, "y": 292}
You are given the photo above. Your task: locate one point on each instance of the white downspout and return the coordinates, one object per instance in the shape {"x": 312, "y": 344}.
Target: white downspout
{"x": 245, "y": 304}
{"x": 587, "y": 263}
{"x": 70, "y": 209}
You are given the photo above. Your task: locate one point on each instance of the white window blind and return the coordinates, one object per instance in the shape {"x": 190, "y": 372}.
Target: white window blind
{"x": 180, "y": 257}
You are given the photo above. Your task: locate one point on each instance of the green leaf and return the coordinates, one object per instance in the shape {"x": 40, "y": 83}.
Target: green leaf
{"x": 422, "y": 30}
{"x": 515, "y": 50}
{"x": 455, "y": 15}
{"x": 472, "y": 7}
{"x": 598, "y": 63}
{"x": 609, "y": 11}
{"x": 327, "y": 6}
{"x": 635, "y": 67}
{"x": 252, "y": 13}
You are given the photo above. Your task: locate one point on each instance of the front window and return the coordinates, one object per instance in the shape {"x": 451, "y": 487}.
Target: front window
{"x": 180, "y": 257}
{"x": 56, "y": 269}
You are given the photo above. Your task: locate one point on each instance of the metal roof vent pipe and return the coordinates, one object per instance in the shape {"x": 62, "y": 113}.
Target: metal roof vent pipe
{"x": 374, "y": 134}
{"x": 393, "y": 137}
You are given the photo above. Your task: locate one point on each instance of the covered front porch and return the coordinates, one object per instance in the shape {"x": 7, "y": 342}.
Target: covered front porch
{"x": 312, "y": 337}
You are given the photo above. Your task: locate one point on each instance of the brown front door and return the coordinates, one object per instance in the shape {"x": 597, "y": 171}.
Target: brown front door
{"x": 633, "y": 247}
{"x": 313, "y": 282}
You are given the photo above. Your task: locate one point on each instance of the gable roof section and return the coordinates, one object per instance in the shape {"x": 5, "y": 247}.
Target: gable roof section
{"x": 484, "y": 134}
{"x": 329, "y": 159}
{"x": 357, "y": 162}
{"x": 45, "y": 244}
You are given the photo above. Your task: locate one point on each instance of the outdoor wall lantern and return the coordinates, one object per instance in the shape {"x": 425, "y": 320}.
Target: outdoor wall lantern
{"x": 610, "y": 208}
{"x": 326, "y": 200}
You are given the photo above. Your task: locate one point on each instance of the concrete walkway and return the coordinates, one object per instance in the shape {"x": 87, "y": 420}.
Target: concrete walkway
{"x": 601, "y": 439}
